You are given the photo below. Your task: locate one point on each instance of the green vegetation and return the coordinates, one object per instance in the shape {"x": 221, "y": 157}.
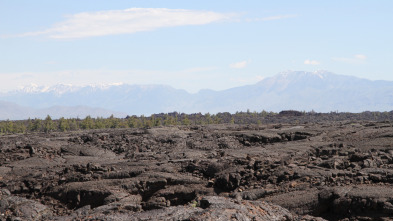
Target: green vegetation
{"x": 259, "y": 118}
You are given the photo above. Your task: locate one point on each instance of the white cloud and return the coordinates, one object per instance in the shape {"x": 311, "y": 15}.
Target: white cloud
{"x": 360, "y": 56}
{"x": 312, "y": 62}
{"x": 113, "y": 22}
{"x": 238, "y": 65}
{"x": 132, "y": 20}
{"x": 357, "y": 58}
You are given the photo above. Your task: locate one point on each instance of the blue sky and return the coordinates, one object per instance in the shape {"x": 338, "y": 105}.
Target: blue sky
{"x": 190, "y": 45}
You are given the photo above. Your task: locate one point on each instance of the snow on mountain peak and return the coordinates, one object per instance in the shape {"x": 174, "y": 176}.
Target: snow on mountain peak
{"x": 321, "y": 73}
{"x": 32, "y": 88}
{"x": 60, "y": 89}
{"x": 297, "y": 74}
{"x": 104, "y": 86}
{"x": 57, "y": 89}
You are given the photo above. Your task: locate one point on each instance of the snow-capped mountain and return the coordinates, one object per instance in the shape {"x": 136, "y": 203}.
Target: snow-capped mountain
{"x": 321, "y": 91}
{"x": 60, "y": 89}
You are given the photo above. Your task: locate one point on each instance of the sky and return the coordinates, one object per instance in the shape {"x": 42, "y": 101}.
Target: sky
{"x": 190, "y": 45}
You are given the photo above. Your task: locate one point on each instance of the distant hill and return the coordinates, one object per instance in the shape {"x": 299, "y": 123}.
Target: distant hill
{"x": 12, "y": 111}
{"x": 320, "y": 91}
{"x": 298, "y": 90}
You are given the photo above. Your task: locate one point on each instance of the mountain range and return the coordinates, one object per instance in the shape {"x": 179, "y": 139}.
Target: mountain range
{"x": 320, "y": 91}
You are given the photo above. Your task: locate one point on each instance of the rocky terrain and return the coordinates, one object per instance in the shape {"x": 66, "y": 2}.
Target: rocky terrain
{"x": 314, "y": 171}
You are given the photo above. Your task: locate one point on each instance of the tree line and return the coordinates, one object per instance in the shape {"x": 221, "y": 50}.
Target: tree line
{"x": 48, "y": 124}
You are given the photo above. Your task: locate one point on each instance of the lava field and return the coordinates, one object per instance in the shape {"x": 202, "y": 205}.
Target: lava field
{"x": 315, "y": 171}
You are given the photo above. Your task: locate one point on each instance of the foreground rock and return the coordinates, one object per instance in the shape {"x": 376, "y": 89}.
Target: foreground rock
{"x": 207, "y": 208}
{"x": 333, "y": 171}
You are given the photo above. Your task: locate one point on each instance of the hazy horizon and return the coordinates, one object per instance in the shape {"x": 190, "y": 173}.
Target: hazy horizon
{"x": 44, "y": 87}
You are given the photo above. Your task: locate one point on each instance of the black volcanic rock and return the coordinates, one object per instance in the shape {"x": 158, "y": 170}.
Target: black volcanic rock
{"x": 313, "y": 171}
